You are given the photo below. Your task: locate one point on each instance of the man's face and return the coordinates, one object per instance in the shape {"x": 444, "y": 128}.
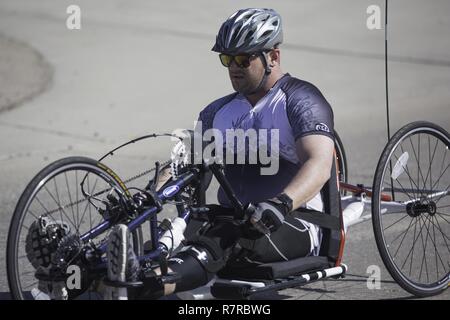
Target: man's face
{"x": 246, "y": 80}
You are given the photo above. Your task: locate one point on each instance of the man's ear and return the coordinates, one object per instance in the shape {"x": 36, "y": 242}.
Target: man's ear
{"x": 274, "y": 56}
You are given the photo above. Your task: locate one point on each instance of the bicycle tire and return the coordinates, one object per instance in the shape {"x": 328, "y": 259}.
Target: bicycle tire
{"x": 32, "y": 189}
{"x": 341, "y": 159}
{"x": 407, "y": 280}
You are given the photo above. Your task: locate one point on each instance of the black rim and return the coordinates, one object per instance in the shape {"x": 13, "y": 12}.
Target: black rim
{"x": 60, "y": 199}
{"x": 341, "y": 160}
{"x": 416, "y": 237}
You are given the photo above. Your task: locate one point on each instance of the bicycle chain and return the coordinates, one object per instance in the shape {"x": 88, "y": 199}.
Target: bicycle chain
{"x": 146, "y": 172}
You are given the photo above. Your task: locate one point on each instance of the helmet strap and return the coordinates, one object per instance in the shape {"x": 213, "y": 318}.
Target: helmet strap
{"x": 267, "y": 71}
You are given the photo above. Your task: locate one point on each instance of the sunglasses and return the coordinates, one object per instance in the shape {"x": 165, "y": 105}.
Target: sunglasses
{"x": 242, "y": 60}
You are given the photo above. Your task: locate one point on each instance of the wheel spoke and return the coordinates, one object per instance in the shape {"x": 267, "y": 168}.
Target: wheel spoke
{"x": 88, "y": 204}
{"x": 32, "y": 284}
{"x": 439, "y": 179}
{"x": 444, "y": 236}
{"x": 57, "y": 196}
{"x": 90, "y": 213}
{"x": 421, "y": 236}
{"x": 396, "y": 222}
{"x": 434, "y": 243}
{"x": 424, "y": 251}
{"x": 443, "y": 195}
{"x": 404, "y": 235}
{"x": 404, "y": 191}
{"x": 76, "y": 191}
{"x": 70, "y": 196}
{"x": 61, "y": 209}
{"x": 430, "y": 164}
{"x": 411, "y": 180}
{"x": 436, "y": 253}
{"x": 414, "y": 243}
{"x": 47, "y": 212}
{"x": 35, "y": 216}
{"x": 42, "y": 205}
{"x": 412, "y": 255}
{"x": 419, "y": 171}
{"x": 443, "y": 161}
{"x": 441, "y": 215}
{"x": 401, "y": 186}
{"x": 412, "y": 220}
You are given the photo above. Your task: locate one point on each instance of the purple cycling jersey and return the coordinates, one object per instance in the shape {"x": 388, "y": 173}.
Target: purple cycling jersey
{"x": 293, "y": 106}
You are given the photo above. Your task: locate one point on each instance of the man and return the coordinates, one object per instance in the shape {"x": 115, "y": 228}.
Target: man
{"x": 265, "y": 98}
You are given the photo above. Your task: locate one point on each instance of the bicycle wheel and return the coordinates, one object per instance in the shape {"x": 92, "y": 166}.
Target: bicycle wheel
{"x": 55, "y": 194}
{"x": 341, "y": 159}
{"x": 412, "y": 231}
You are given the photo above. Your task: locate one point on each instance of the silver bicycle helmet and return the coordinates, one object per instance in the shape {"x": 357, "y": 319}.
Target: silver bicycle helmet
{"x": 249, "y": 31}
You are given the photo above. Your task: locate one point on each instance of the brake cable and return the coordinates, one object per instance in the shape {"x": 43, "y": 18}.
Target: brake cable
{"x": 110, "y": 153}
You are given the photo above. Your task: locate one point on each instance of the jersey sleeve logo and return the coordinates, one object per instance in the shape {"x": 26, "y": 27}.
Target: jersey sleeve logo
{"x": 322, "y": 127}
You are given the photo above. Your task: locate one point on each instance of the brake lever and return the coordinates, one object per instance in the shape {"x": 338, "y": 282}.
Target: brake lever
{"x": 154, "y": 184}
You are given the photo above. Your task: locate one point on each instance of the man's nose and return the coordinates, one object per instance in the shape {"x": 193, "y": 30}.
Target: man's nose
{"x": 233, "y": 65}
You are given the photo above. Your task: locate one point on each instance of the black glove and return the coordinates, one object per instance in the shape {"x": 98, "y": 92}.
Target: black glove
{"x": 269, "y": 215}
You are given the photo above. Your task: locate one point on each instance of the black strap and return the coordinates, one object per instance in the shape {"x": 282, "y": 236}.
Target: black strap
{"x": 318, "y": 218}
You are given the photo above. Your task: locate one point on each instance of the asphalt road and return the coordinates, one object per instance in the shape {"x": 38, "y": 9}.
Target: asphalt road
{"x": 146, "y": 67}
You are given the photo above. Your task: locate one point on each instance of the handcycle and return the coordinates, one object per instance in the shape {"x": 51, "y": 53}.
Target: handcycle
{"x": 56, "y": 229}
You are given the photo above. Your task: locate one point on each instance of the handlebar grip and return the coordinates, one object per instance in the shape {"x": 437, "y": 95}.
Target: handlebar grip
{"x": 248, "y": 212}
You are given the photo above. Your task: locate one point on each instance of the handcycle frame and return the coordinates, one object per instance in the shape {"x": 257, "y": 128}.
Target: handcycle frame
{"x": 239, "y": 288}
{"x": 234, "y": 288}
{"x": 247, "y": 289}
{"x": 225, "y": 287}
{"x": 171, "y": 190}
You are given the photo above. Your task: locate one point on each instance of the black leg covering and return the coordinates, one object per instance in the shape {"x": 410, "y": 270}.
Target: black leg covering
{"x": 198, "y": 262}
{"x": 190, "y": 264}
{"x": 204, "y": 256}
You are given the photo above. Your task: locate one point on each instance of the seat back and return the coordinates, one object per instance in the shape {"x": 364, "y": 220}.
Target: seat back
{"x": 332, "y": 239}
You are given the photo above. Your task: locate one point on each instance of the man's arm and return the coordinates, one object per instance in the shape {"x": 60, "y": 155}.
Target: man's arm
{"x": 316, "y": 155}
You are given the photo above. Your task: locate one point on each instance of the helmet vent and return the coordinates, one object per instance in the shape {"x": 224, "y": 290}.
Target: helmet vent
{"x": 249, "y": 35}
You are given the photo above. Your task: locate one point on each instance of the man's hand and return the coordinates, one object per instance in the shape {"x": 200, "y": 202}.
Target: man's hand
{"x": 269, "y": 215}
